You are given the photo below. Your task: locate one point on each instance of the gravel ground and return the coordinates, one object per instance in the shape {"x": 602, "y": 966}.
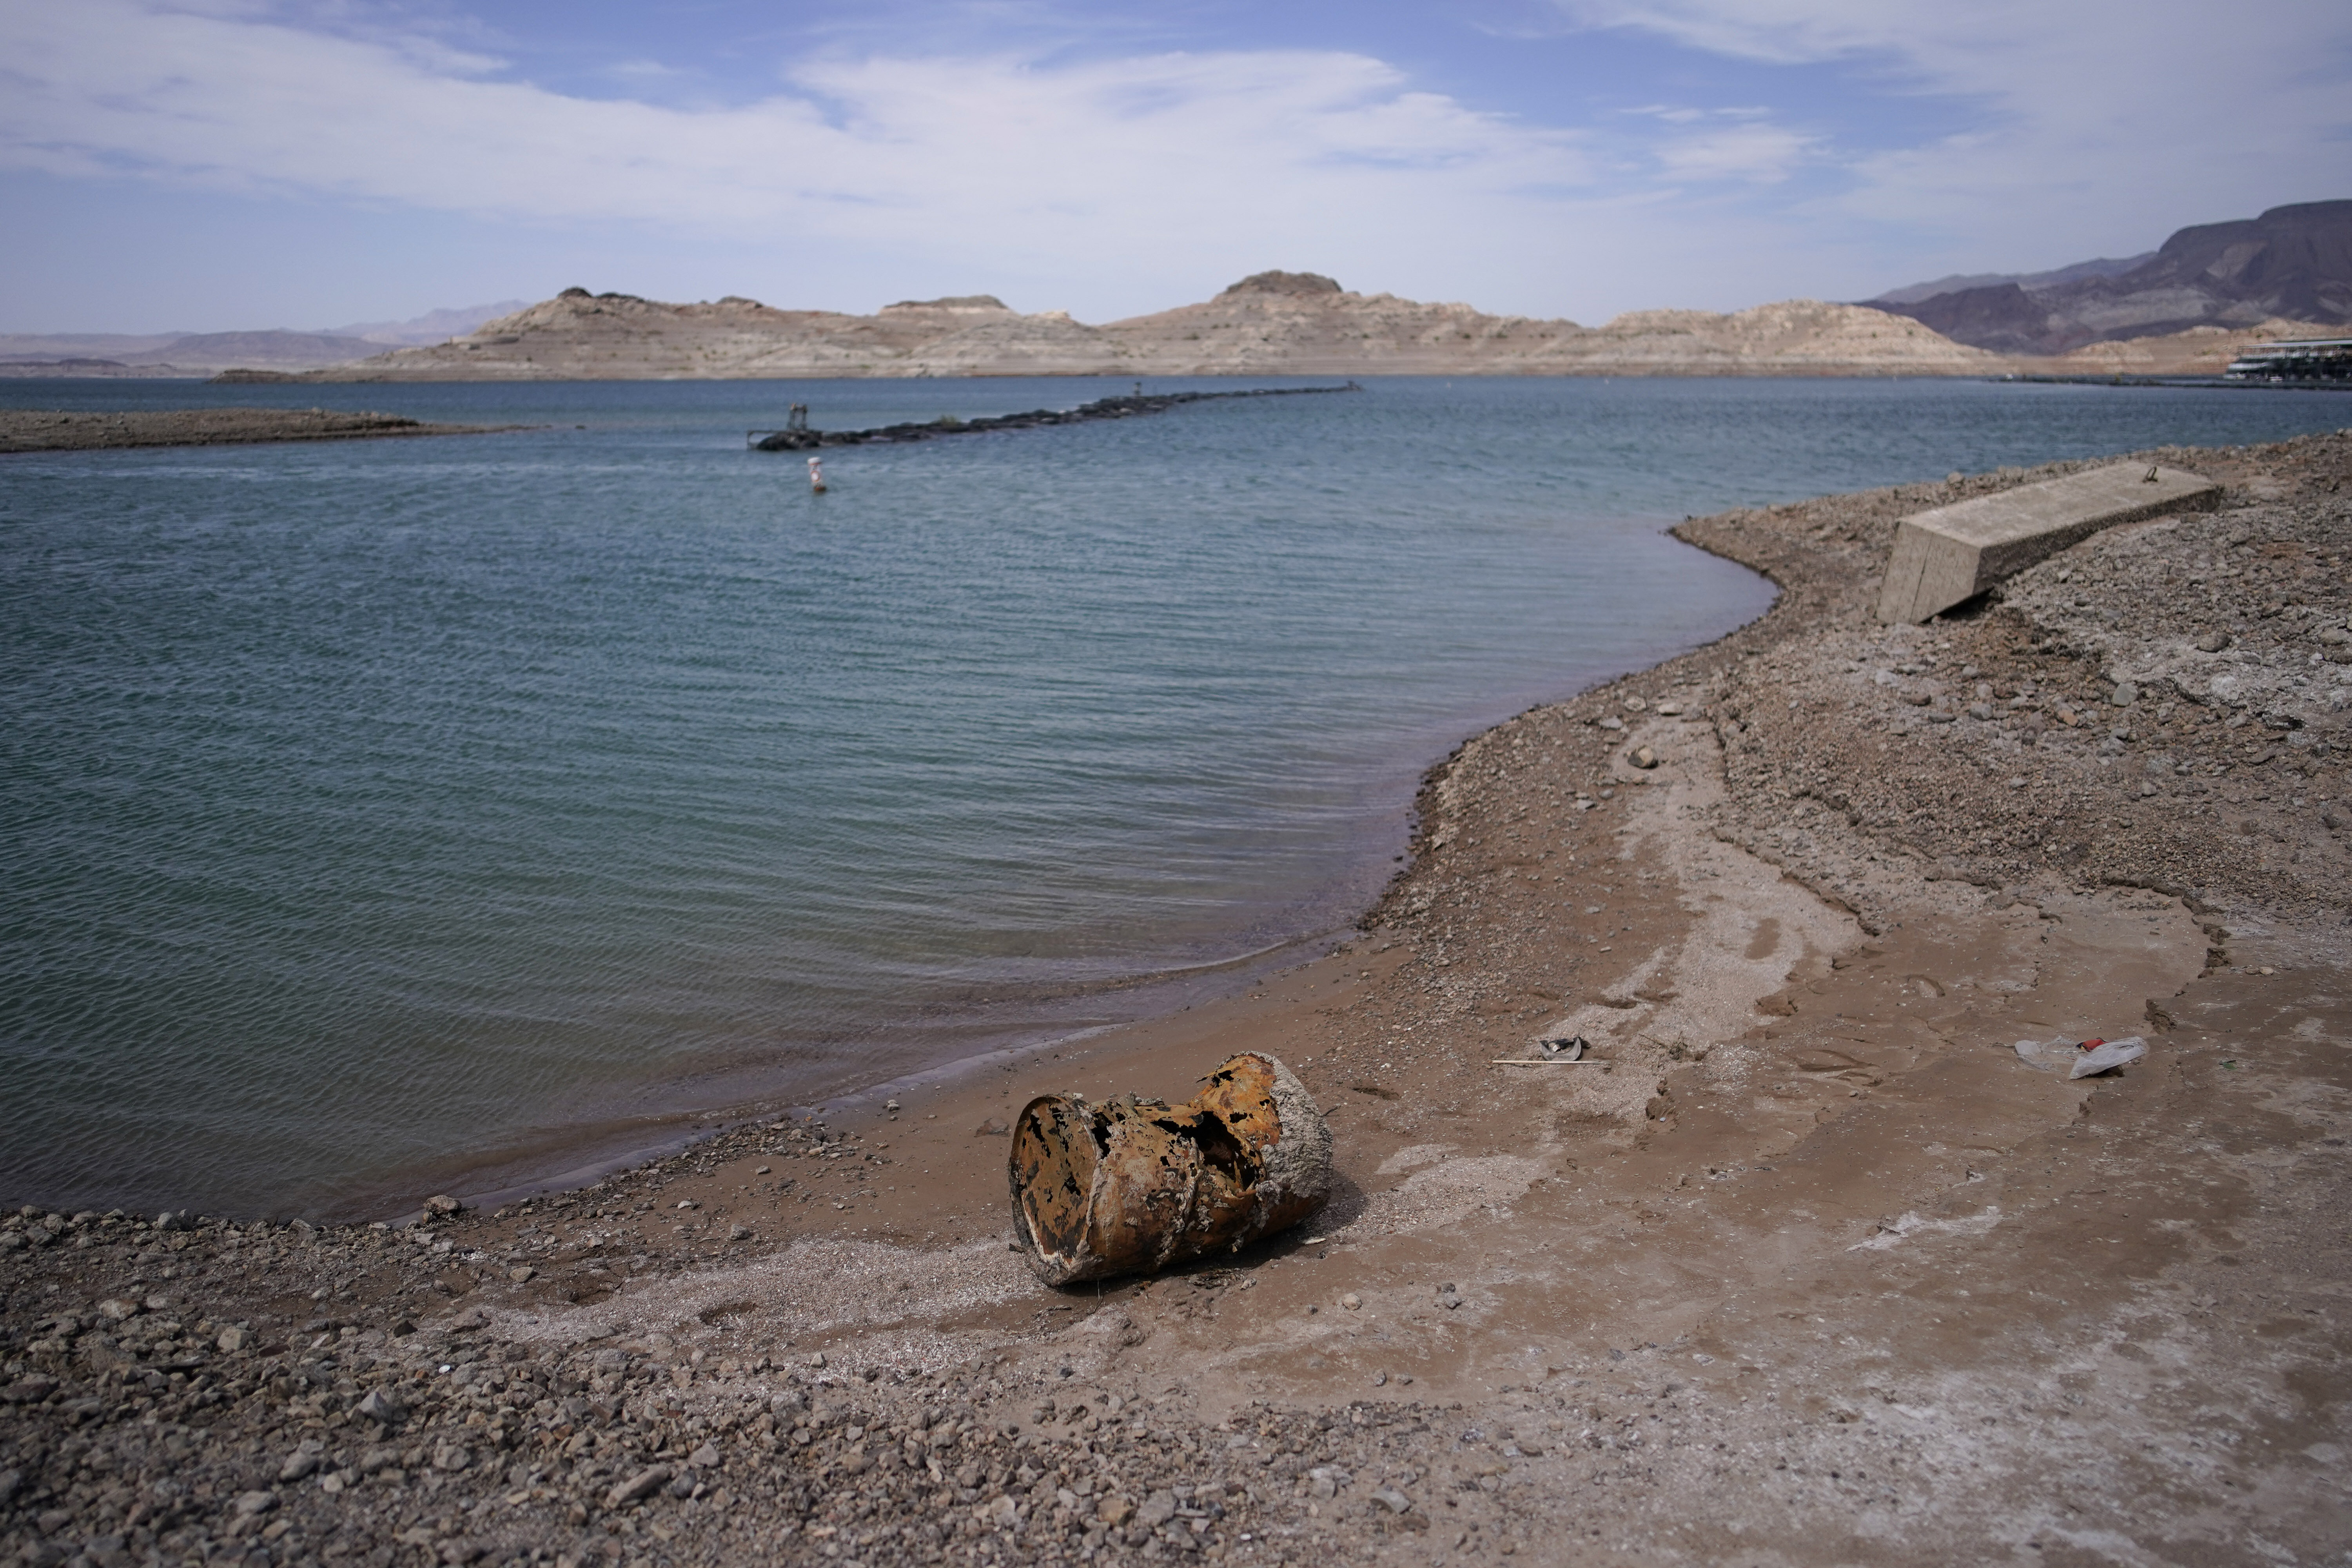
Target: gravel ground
{"x": 2168, "y": 705}
{"x": 206, "y": 1406}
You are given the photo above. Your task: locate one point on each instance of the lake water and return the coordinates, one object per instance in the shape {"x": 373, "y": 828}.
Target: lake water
{"x": 377, "y": 812}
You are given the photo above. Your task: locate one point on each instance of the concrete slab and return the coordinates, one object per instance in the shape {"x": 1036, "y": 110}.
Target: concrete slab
{"x": 1954, "y": 552}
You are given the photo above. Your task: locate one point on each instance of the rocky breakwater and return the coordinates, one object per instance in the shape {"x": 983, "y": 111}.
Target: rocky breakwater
{"x": 1127, "y": 407}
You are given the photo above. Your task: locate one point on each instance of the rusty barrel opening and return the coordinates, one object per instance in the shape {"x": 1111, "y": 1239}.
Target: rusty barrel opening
{"x": 1054, "y": 1150}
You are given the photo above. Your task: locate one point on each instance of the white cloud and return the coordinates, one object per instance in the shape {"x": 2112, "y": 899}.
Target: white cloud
{"x": 2088, "y": 124}
{"x": 994, "y": 161}
{"x": 1762, "y": 153}
{"x": 1112, "y": 183}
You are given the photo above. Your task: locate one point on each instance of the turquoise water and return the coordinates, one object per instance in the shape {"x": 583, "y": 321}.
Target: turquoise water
{"x": 375, "y": 810}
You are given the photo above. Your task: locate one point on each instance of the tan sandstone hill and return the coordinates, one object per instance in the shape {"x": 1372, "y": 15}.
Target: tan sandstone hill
{"x": 1296, "y": 323}
{"x": 2198, "y": 350}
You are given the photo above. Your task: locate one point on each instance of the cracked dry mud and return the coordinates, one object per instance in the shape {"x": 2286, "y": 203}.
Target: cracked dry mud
{"x": 1807, "y": 1265}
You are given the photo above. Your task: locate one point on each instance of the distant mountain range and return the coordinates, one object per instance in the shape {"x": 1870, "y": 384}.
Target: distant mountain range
{"x": 433, "y": 327}
{"x": 2105, "y": 266}
{"x": 2291, "y": 262}
{"x": 2183, "y": 309}
{"x": 202, "y": 353}
{"x": 1270, "y": 323}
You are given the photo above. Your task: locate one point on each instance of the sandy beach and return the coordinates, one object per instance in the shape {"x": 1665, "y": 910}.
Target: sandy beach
{"x": 1808, "y": 1266}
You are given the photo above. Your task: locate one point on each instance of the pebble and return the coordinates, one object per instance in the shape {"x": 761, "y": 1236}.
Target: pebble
{"x": 1351, "y": 1301}
{"x": 382, "y": 1407}
{"x": 642, "y": 1485}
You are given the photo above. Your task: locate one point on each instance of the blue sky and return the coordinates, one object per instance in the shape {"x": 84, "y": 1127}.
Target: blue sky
{"x": 207, "y": 164}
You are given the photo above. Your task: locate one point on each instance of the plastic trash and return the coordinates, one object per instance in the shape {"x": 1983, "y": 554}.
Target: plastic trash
{"x": 1563, "y": 1047}
{"x": 2104, "y": 1055}
{"x": 2047, "y": 1054}
{"x": 2081, "y": 1059}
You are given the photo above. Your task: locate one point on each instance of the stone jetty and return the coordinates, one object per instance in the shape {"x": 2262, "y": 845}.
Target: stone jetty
{"x": 1100, "y": 408}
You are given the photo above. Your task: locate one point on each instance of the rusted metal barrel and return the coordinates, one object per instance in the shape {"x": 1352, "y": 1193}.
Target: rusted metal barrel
{"x": 1133, "y": 1185}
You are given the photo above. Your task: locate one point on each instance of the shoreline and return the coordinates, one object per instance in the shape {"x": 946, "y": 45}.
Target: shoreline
{"x": 1809, "y": 1266}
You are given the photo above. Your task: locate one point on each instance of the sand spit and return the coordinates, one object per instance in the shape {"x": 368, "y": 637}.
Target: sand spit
{"x": 1807, "y": 1267}
{"x": 47, "y": 430}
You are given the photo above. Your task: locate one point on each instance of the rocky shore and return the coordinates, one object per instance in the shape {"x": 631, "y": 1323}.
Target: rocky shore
{"x": 49, "y": 430}
{"x": 1805, "y": 1264}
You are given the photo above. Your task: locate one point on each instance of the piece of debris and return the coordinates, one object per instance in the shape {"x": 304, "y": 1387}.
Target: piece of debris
{"x": 1948, "y": 555}
{"x": 2106, "y": 1056}
{"x": 1133, "y": 1185}
{"x": 1555, "y": 1050}
{"x": 2082, "y": 1058}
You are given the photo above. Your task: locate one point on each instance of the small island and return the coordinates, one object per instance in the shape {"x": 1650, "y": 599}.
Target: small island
{"x": 52, "y": 430}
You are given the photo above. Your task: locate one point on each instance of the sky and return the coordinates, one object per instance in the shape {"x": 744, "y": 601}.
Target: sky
{"x": 226, "y": 164}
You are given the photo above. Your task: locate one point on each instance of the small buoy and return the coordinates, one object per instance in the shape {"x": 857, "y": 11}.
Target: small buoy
{"x": 817, "y": 475}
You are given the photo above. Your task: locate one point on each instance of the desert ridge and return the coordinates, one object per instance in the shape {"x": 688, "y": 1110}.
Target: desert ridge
{"x": 1269, "y": 323}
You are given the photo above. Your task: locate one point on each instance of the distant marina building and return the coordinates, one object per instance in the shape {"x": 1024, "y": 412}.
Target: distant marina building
{"x": 2300, "y": 359}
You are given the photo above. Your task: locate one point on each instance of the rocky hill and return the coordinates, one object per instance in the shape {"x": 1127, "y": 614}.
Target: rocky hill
{"x": 2292, "y": 263}
{"x": 1271, "y": 324}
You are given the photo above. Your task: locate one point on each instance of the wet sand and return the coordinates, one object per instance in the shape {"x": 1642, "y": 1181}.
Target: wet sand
{"x": 50, "y": 430}
{"x": 1808, "y": 1267}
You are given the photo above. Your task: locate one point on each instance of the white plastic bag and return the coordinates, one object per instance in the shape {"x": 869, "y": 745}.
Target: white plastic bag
{"x": 2051, "y": 1055}
{"x": 2062, "y": 1055}
{"x": 2108, "y": 1055}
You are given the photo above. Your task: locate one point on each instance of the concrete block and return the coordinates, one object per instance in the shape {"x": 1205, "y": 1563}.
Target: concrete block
{"x": 1954, "y": 552}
